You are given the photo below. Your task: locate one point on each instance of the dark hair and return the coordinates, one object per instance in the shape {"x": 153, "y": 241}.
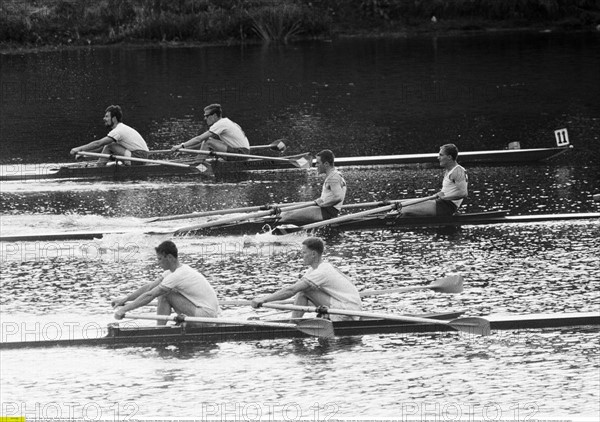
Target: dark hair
{"x": 450, "y": 149}
{"x": 167, "y": 248}
{"x": 213, "y": 109}
{"x": 314, "y": 244}
{"x": 115, "y": 111}
{"x": 326, "y": 156}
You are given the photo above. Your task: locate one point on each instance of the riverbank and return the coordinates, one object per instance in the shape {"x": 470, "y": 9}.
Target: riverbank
{"x": 51, "y": 24}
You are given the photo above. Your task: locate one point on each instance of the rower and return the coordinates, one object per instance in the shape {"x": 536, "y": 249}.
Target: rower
{"x": 321, "y": 285}
{"x": 180, "y": 288}
{"x": 121, "y": 140}
{"x": 333, "y": 193}
{"x": 454, "y": 188}
{"x": 223, "y": 135}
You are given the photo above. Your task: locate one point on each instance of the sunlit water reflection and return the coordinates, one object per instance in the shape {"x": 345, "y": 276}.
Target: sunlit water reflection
{"x": 388, "y": 96}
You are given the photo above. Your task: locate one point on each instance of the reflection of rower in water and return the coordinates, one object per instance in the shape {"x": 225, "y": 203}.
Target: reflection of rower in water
{"x": 332, "y": 196}
{"x": 454, "y": 188}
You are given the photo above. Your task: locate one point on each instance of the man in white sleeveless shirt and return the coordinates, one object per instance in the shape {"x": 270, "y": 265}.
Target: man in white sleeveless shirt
{"x": 333, "y": 193}
{"x": 223, "y": 135}
{"x": 322, "y": 285}
{"x": 179, "y": 288}
{"x": 121, "y": 140}
{"x": 454, "y": 188}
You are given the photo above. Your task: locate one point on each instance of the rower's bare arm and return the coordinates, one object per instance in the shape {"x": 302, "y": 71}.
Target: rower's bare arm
{"x": 93, "y": 145}
{"x": 142, "y": 300}
{"x": 194, "y": 142}
{"x": 137, "y": 293}
{"x": 282, "y": 294}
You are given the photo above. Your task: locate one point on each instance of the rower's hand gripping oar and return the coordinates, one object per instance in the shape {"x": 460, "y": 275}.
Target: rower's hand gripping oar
{"x": 396, "y": 205}
{"x": 202, "y": 168}
{"x": 223, "y": 221}
{"x": 317, "y": 327}
{"x": 302, "y": 162}
{"x": 471, "y": 325}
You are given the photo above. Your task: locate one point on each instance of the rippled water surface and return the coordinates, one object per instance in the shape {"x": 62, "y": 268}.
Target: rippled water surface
{"x": 363, "y": 97}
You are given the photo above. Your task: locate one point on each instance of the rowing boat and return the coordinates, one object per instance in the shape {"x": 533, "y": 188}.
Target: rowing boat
{"x": 198, "y": 168}
{"x": 492, "y": 157}
{"x": 217, "y": 167}
{"x": 374, "y": 222}
{"x": 395, "y": 220}
{"x": 118, "y": 336}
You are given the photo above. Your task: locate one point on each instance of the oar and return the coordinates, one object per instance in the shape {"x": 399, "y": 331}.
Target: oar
{"x": 450, "y": 284}
{"x": 317, "y": 327}
{"x": 220, "y": 212}
{"x": 302, "y": 162}
{"x": 229, "y": 220}
{"x": 471, "y": 325}
{"x": 201, "y": 167}
{"x": 395, "y": 205}
{"x": 250, "y": 209}
{"x": 277, "y": 145}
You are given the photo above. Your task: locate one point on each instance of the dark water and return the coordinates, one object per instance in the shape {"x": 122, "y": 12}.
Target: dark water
{"x": 356, "y": 97}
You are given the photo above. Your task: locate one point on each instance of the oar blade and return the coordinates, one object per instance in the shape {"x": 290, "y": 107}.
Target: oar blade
{"x": 316, "y": 327}
{"x": 472, "y": 325}
{"x": 278, "y": 145}
{"x": 450, "y": 284}
{"x": 303, "y": 162}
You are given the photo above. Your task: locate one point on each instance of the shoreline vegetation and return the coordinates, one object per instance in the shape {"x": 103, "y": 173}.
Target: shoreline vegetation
{"x": 43, "y": 24}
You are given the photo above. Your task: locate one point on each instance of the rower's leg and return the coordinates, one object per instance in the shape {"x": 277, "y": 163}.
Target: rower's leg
{"x": 212, "y": 144}
{"x": 301, "y": 300}
{"x": 423, "y": 209}
{"x": 119, "y": 150}
{"x": 302, "y": 216}
{"x": 163, "y": 308}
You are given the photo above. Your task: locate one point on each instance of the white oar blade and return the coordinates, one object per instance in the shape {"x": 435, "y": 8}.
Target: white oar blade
{"x": 472, "y": 325}
{"x": 304, "y": 162}
{"x": 450, "y": 284}
{"x": 317, "y": 327}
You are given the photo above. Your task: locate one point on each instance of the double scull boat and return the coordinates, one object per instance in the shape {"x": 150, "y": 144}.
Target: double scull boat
{"x": 216, "y": 166}
{"x": 265, "y": 225}
{"x": 125, "y": 336}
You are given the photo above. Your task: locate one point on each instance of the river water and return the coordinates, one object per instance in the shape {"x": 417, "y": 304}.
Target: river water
{"x": 357, "y": 97}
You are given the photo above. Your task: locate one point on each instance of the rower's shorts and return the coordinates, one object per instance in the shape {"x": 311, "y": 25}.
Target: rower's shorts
{"x": 138, "y": 153}
{"x": 444, "y": 207}
{"x": 329, "y": 212}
